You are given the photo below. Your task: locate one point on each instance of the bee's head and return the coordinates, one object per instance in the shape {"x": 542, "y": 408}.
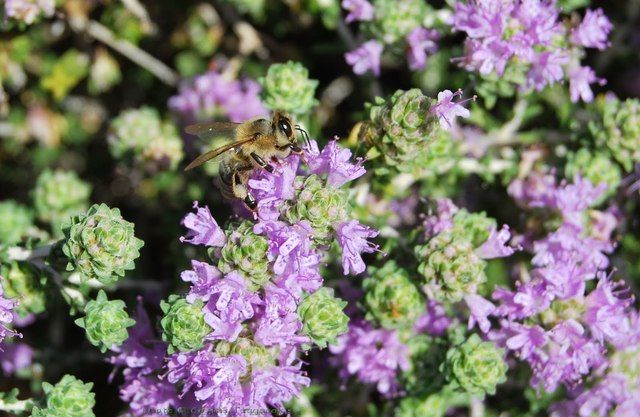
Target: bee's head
{"x": 284, "y": 127}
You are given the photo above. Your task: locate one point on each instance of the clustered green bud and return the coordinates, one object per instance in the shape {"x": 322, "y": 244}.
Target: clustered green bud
{"x": 15, "y": 222}
{"x": 246, "y": 252}
{"x": 395, "y": 19}
{"x": 256, "y": 355}
{"x": 70, "y": 397}
{"x": 100, "y": 244}
{"x": 475, "y": 366}
{"x": 58, "y": 195}
{"x": 25, "y": 282}
{"x": 401, "y": 127}
{"x": 144, "y": 136}
{"x": 473, "y": 227}
{"x": 618, "y": 130}
{"x": 450, "y": 267}
{"x": 391, "y": 298}
{"x": 321, "y": 206}
{"x": 183, "y": 325}
{"x": 322, "y": 316}
{"x": 597, "y": 167}
{"x": 105, "y": 322}
{"x": 288, "y": 87}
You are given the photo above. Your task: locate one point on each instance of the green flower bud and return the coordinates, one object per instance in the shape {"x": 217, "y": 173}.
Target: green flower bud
{"x": 143, "y": 136}
{"x": 450, "y": 267}
{"x": 15, "y": 222}
{"x": 287, "y": 87}
{"x": 100, "y": 244}
{"x": 183, "y": 325}
{"x": 24, "y": 281}
{"x": 618, "y": 130}
{"x": 401, "y": 127}
{"x": 322, "y": 317}
{"x": 320, "y": 205}
{"x": 67, "y": 71}
{"x": 475, "y": 366}
{"x": 70, "y": 397}
{"x": 105, "y": 322}
{"x": 104, "y": 73}
{"x": 59, "y": 195}
{"x": 246, "y": 252}
{"x": 256, "y": 355}
{"x": 423, "y": 376}
{"x": 474, "y": 227}
{"x": 595, "y": 166}
{"x": 391, "y": 298}
{"x": 395, "y": 19}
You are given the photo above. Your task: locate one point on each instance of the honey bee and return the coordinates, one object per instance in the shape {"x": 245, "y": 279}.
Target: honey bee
{"x": 255, "y": 144}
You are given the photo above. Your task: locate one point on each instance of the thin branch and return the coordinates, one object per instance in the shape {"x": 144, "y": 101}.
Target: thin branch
{"x": 126, "y": 48}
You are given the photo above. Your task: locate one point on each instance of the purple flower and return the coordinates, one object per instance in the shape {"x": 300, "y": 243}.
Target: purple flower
{"x": 594, "y": 30}
{"x": 446, "y": 110}
{"x": 525, "y": 340}
{"x": 202, "y": 278}
{"x": 442, "y": 220}
{"x": 352, "y": 237}
{"x": 271, "y": 189}
{"x": 487, "y": 58}
{"x": 606, "y": 313}
{"x": 420, "y": 43}
{"x": 14, "y": 357}
{"x": 375, "y": 356}
{"x": 278, "y": 323}
{"x": 580, "y": 80}
{"x": 571, "y": 355}
{"x": 6, "y": 314}
{"x": 218, "y": 379}
{"x": 213, "y": 93}
{"x": 336, "y": 163}
{"x": 603, "y": 397}
{"x": 434, "y": 321}
{"x": 358, "y": 10}
{"x": 296, "y": 260}
{"x": 230, "y": 304}
{"x": 546, "y": 68}
{"x": 365, "y": 58}
{"x": 480, "y": 309}
{"x": 142, "y": 353}
{"x": 203, "y": 229}
{"x": 276, "y": 385}
{"x": 146, "y": 392}
{"x": 482, "y": 19}
{"x": 496, "y": 244}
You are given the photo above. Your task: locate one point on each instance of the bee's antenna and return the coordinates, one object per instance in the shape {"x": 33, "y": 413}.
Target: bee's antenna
{"x": 305, "y": 135}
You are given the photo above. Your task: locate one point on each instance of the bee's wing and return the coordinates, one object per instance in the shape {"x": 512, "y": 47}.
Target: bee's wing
{"x": 208, "y": 131}
{"x": 218, "y": 151}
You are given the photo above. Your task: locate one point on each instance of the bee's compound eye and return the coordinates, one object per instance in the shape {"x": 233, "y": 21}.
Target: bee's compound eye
{"x": 285, "y": 127}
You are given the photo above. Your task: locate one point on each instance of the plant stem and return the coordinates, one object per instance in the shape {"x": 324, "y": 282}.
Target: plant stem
{"x": 126, "y": 48}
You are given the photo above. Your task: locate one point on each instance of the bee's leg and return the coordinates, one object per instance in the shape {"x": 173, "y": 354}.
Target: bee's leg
{"x": 261, "y": 162}
{"x": 295, "y": 149}
{"x": 239, "y": 189}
